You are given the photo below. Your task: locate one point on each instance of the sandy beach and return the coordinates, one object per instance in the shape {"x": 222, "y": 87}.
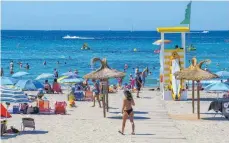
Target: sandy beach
{"x": 155, "y": 122}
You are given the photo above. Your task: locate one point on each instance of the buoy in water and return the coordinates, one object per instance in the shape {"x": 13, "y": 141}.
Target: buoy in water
{"x": 135, "y": 50}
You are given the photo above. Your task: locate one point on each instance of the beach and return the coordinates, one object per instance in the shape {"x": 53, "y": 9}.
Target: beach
{"x": 155, "y": 122}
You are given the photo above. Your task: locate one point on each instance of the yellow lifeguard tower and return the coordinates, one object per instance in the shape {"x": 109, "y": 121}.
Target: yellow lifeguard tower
{"x": 171, "y": 61}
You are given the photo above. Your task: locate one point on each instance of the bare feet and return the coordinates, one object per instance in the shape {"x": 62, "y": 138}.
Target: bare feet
{"x": 93, "y": 106}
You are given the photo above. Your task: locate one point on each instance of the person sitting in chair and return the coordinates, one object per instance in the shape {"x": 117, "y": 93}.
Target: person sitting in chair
{"x": 56, "y": 86}
{"x": 47, "y": 87}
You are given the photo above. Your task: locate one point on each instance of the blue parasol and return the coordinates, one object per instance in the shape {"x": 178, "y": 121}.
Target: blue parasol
{"x": 19, "y": 74}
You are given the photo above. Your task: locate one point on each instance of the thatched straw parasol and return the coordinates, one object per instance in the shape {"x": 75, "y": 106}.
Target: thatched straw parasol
{"x": 195, "y": 73}
{"x": 104, "y": 73}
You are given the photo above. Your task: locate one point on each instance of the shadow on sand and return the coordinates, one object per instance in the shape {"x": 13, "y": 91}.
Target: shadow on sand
{"x": 146, "y": 134}
{"x": 135, "y": 117}
{"x": 35, "y": 132}
{"x": 135, "y": 112}
{"x": 203, "y": 99}
{"x": 215, "y": 119}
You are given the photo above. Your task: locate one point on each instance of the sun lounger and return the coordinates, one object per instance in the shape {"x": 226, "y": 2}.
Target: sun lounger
{"x": 43, "y": 106}
{"x": 60, "y": 107}
{"x": 27, "y": 123}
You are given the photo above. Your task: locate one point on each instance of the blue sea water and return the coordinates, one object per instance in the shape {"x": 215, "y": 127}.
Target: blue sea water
{"x": 35, "y": 47}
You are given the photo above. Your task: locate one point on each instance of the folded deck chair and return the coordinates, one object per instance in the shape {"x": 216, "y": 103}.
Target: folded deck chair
{"x": 43, "y": 106}
{"x": 88, "y": 95}
{"x": 27, "y": 123}
{"x": 60, "y": 107}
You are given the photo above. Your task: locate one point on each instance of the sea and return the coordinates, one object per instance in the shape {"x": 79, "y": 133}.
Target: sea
{"x": 36, "y": 46}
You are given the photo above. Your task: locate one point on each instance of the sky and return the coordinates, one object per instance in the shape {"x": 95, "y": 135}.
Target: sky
{"x": 112, "y": 15}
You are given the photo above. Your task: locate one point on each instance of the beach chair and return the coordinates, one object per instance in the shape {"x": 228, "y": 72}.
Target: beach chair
{"x": 60, "y": 107}
{"x": 27, "y": 123}
{"x": 79, "y": 95}
{"x": 3, "y": 126}
{"x": 88, "y": 95}
{"x": 44, "y": 106}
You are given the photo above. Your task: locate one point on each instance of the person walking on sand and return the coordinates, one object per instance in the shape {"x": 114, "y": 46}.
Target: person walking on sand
{"x": 138, "y": 83}
{"x": 127, "y": 111}
{"x": 96, "y": 92}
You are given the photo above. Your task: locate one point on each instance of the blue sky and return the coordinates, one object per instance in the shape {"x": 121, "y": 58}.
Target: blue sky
{"x": 113, "y": 15}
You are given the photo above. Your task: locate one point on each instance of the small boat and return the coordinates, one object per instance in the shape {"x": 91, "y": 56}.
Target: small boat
{"x": 205, "y": 31}
{"x": 191, "y": 48}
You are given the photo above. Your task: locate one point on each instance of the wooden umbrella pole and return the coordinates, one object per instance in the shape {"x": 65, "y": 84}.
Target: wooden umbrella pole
{"x": 107, "y": 91}
{"x": 193, "y": 107}
{"x": 198, "y": 100}
{"x": 104, "y": 105}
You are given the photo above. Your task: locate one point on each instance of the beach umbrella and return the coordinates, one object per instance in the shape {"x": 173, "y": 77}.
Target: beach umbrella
{"x": 104, "y": 73}
{"x": 7, "y": 81}
{"x": 68, "y": 74}
{"x": 29, "y": 85}
{"x": 72, "y": 80}
{"x": 44, "y": 76}
{"x": 13, "y": 96}
{"x": 195, "y": 73}
{"x": 223, "y": 74}
{"x": 4, "y": 112}
{"x": 217, "y": 87}
{"x": 61, "y": 78}
{"x": 19, "y": 74}
{"x": 159, "y": 42}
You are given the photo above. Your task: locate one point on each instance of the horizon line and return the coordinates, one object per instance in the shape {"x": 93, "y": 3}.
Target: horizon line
{"x": 97, "y": 30}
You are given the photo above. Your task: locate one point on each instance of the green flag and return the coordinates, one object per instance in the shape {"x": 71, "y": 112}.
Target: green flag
{"x": 187, "y": 14}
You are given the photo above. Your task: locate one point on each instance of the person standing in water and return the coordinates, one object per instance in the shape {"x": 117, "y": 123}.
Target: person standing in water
{"x": 2, "y": 72}
{"x": 44, "y": 63}
{"x": 20, "y": 64}
{"x": 55, "y": 73}
{"x": 127, "y": 111}
{"x": 27, "y": 66}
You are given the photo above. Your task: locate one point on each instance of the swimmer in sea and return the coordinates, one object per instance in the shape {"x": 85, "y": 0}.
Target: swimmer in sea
{"x": 65, "y": 63}
{"x": 44, "y": 63}
{"x": 58, "y": 62}
{"x": 125, "y": 67}
{"x": 27, "y": 66}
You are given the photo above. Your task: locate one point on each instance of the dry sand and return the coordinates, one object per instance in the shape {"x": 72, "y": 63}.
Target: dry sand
{"x": 85, "y": 124}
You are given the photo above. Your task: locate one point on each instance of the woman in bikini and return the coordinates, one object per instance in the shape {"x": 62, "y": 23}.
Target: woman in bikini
{"x": 127, "y": 111}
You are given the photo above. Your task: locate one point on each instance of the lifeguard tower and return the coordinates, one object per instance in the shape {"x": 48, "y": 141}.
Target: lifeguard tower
{"x": 171, "y": 61}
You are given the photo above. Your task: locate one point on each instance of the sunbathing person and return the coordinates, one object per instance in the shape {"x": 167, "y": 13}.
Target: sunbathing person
{"x": 127, "y": 110}
{"x": 47, "y": 87}
{"x": 56, "y": 86}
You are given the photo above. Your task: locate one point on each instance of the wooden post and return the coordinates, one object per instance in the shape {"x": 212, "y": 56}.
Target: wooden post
{"x": 193, "y": 106}
{"x": 198, "y": 99}
{"x": 107, "y": 91}
{"x": 104, "y": 94}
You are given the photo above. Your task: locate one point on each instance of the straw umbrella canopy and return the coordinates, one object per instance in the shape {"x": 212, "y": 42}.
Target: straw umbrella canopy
{"x": 104, "y": 73}
{"x": 195, "y": 73}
